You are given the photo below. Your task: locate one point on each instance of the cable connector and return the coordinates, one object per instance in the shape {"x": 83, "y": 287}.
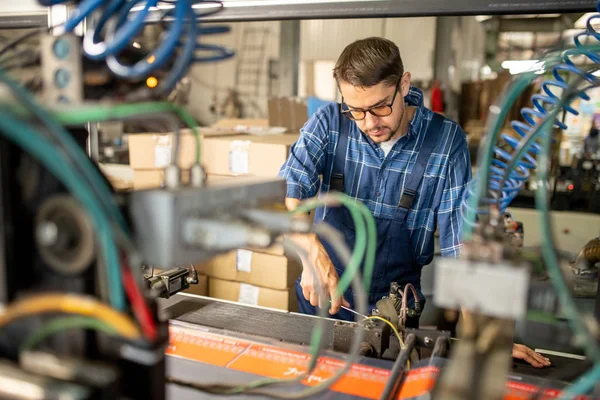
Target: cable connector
{"x": 172, "y": 177}
{"x": 197, "y": 176}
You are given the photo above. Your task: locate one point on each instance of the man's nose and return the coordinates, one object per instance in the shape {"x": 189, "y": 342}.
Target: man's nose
{"x": 371, "y": 121}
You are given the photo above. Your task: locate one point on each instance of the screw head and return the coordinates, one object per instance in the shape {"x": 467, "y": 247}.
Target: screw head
{"x": 62, "y": 78}
{"x": 61, "y": 48}
{"x": 47, "y": 234}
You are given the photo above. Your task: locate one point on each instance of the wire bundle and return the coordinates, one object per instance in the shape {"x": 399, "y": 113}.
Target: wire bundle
{"x": 56, "y": 150}
{"x": 113, "y": 25}
{"x": 500, "y": 178}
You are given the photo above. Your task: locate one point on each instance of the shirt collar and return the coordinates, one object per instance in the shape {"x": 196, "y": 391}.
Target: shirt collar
{"x": 415, "y": 98}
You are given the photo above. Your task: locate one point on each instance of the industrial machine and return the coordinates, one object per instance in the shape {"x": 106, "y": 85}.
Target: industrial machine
{"x": 86, "y": 315}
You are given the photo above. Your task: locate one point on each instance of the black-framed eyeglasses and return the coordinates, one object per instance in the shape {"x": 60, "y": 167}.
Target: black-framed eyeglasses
{"x": 378, "y": 111}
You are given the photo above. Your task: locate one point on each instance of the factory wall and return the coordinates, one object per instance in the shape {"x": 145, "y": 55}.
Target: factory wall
{"x": 211, "y": 81}
{"x": 318, "y": 56}
{"x": 459, "y": 59}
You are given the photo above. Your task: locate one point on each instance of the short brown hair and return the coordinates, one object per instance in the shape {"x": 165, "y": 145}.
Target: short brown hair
{"x": 368, "y": 62}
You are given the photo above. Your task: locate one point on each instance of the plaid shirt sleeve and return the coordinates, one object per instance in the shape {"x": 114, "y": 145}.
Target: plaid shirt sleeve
{"x": 449, "y": 217}
{"x": 307, "y": 158}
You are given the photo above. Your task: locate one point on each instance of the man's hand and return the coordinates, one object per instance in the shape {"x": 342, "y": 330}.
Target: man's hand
{"x": 525, "y": 353}
{"x": 323, "y": 266}
{"x": 327, "y": 274}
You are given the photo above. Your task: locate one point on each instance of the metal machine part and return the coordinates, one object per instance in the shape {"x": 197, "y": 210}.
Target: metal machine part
{"x": 64, "y": 235}
{"x": 62, "y": 69}
{"x": 284, "y": 9}
{"x": 492, "y": 293}
{"x": 167, "y": 283}
{"x": 17, "y": 384}
{"x": 101, "y": 377}
{"x": 380, "y": 341}
{"x": 195, "y": 224}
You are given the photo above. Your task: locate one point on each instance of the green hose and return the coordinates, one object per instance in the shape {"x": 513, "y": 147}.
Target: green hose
{"x": 583, "y": 385}
{"x": 40, "y": 148}
{"x": 359, "y": 213}
{"x": 554, "y": 271}
{"x": 58, "y": 325}
{"x": 485, "y": 161}
{"x": 97, "y": 113}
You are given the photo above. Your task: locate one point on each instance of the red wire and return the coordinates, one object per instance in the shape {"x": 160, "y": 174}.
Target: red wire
{"x": 138, "y": 303}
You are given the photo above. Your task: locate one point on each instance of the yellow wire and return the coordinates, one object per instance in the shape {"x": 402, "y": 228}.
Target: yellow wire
{"x": 402, "y": 345}
{"x": 71, "y": 304}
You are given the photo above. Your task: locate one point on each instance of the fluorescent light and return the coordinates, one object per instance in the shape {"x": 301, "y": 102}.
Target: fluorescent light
{"x": 520, "y": 66}
{"x": 482, "y": 18}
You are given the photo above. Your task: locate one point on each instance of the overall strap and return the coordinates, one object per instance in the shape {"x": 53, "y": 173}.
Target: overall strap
{"x": 414, "y": 179}
{"x": 339, "y": 159}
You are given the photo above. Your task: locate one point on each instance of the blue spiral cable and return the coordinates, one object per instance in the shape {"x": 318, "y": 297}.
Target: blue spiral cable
{"x": 181, "y": 43}
{"x": 507, "y": 175}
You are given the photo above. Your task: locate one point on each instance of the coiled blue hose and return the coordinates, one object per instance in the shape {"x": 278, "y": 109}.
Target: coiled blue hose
{"x": 113, "y": 17}
{"x": 507, "y": 175}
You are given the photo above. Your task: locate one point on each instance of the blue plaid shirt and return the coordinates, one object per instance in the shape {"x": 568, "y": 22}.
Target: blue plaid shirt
{"x": 377, "y": 180}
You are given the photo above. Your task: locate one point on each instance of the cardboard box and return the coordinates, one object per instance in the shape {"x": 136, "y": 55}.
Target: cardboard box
{"x": 201, "y": 288}
{"x": 253, "y": 295}
{"x": 154, "y": 150}
{"x": 289, "y": 112}
{"x": 260, "y": 156}
{"x": 260, "y": 269}
{"x": 236, "y": 122}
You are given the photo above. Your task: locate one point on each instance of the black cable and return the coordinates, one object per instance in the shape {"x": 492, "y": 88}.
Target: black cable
{"x": 399, "y": 371}
{"x": 22, "y": 38}
{"x": 440, "y": 348}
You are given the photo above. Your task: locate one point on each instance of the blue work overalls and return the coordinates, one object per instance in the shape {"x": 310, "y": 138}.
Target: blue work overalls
{"x": 395, "y": 260}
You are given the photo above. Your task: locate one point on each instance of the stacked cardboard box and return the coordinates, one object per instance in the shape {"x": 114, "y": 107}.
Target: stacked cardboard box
{"x": 255, "y": 278}
{"x": 223, "y": 152}
{"x": 260, "y": 156}
{"x": 201, "y": 288}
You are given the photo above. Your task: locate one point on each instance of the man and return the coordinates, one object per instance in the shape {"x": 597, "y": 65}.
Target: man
{"x": 409, "y": 165}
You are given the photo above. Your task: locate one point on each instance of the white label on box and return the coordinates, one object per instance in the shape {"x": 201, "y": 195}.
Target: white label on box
{"x": 497, "y": 290}
{"x": 243, "y": 260}
{"x": 238, "y": 157}
{"x": 248, "y": 294}
{"x": 162, "y": 156}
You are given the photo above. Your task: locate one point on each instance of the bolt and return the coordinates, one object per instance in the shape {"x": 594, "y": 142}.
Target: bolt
{"x": 62, "y": 78}
{"x": 428, "y": 341}
{"x": 47, "y": 234}
{"x": 61, "y": 48}
{"x": 376, "y": 334}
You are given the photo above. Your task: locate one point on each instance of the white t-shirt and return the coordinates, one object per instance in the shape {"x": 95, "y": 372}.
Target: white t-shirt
{"x": 387, "y": 146}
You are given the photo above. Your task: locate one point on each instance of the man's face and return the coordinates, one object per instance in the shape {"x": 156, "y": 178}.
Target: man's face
{"x": 379, "y": 129}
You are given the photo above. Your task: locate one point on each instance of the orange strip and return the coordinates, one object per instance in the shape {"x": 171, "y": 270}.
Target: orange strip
{"x": 274, "y": 362}
{"x": 204, "y": 347}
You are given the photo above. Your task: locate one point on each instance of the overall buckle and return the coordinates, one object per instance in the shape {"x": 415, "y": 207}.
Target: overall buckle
{"x": 407, "y": 198}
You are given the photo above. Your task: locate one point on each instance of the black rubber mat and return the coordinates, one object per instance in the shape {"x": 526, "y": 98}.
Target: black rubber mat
{"x": 288, "y": 327}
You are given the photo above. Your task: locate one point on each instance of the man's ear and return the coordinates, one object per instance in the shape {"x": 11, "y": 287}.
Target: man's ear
{"x": 405, "y": 84}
